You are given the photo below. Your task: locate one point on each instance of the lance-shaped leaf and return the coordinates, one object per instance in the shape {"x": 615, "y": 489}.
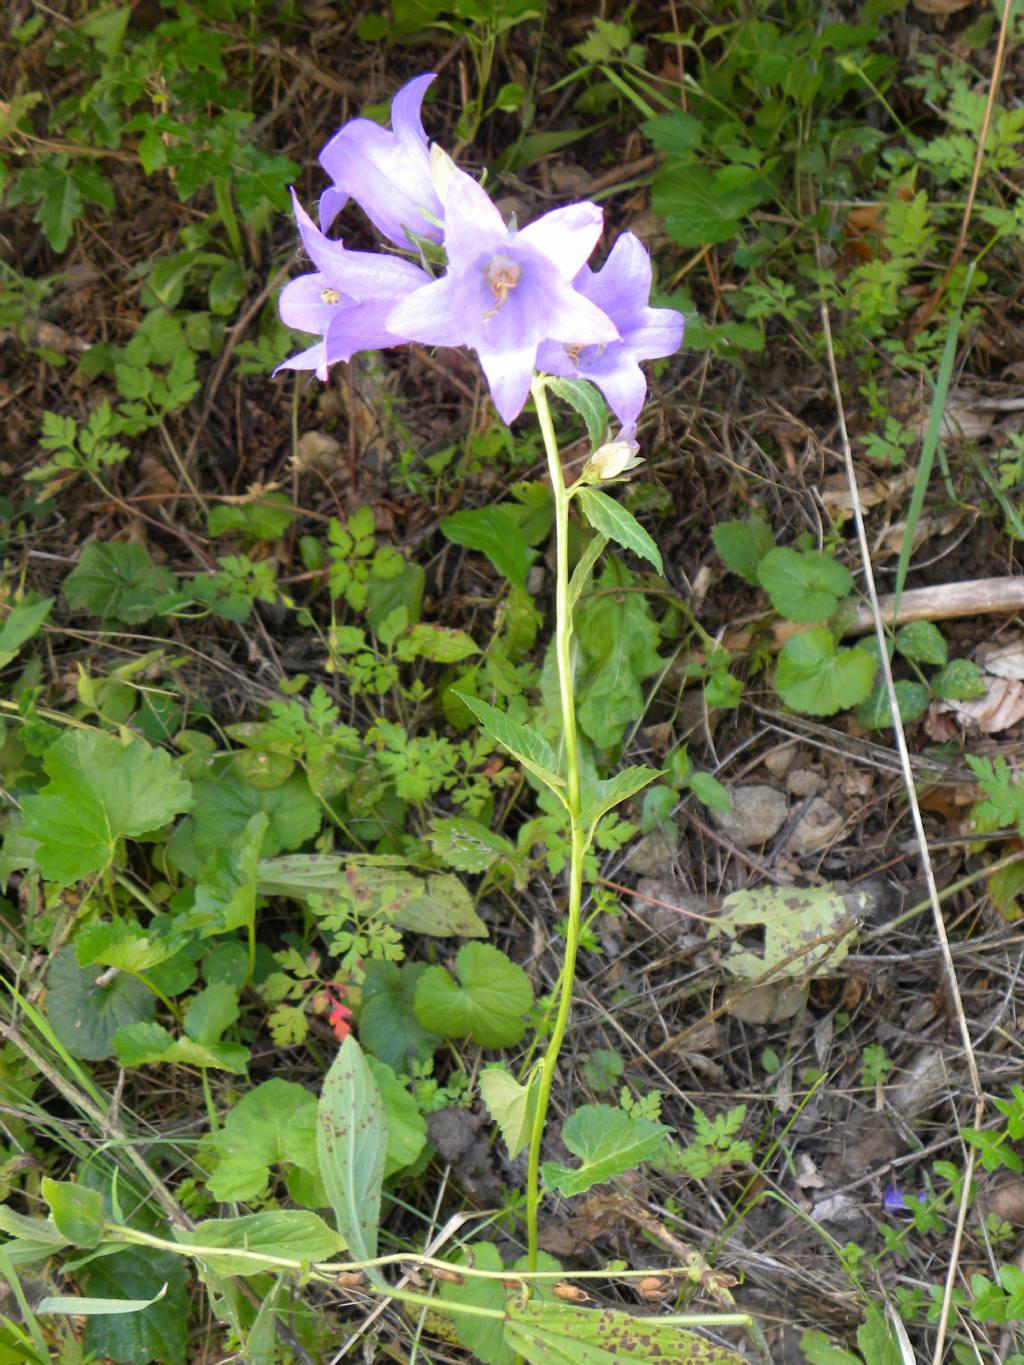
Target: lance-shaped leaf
{"x": 557, "y": 1334}
{"x": 606, "y": 795}
{"x": 351, "y": 1144}
{"x": 614, "y": 521}
{"x": 587, "y": 402}
{"x": 532, "y": 749}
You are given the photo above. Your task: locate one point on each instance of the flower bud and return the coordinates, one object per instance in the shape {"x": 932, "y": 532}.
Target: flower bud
{"x": 442, "y": 168}
{"x": 611, "y": 461}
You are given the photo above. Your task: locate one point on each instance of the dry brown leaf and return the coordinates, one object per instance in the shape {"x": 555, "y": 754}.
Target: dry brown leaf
{"x": 1002, "y": 707}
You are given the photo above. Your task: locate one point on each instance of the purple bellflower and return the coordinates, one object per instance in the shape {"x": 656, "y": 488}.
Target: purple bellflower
{"x": 386, "y": 173}
{"x": 506, "y": 291}
{"x": 621, "y": 289}
{"x": 347, "y": 300}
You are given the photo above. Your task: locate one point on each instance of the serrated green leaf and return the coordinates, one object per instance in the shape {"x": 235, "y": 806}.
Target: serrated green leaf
{"x": 742, "y": 545}
{"x": 610, "y": 792}
{"x": 530, "y": 748}
{"x": 922, "y": 641}
{"x": 293, "y": 1234}
{"x": 484, "y": 1337}
{"x": 225, "y": 895}
{"x": 608, "y": 1142}
{"x": 388, "y": 1026}
{"x": 468, "y": 846}
{"x": 84, "y": 1015}
{"x": 497, "y": 534}
{"x": 274, "y": 1124}
{"x": 436, "y": 643}
{"x": 546, "y": 1333}
{"x": 814, "y": 677}
{"x": 99, "y": 791}
{"x": 613, "y": 520}
{"x": 119, "y": 944}
{"x": 487, "y": 1005}
{"x": 510, "y": 1105}
{"x": 351, "y": 1144}
{"x": 912, "y": 698}
{"x": 117, "y": 582}
{"x": 210, "y": 1012}
{"x": 702, "y": 209}
{"x": 803, "y": 586}
{"x": 587, "y": 401}
{"x": 618, "y": 639}
{"x": 584, "y": 567}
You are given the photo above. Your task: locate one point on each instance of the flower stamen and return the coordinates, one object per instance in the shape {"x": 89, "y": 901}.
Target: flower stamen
{"x": 330, "y": 296}
{"x": 502, "y": 278}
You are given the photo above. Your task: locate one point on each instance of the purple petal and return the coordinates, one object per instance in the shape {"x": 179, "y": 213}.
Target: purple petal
{"x": 359, "y": 274}
{"x": 576, "y": 320}
{"x": 360, "y": 327}
{"x": 624, "y": 388}
{"x": 566, "y": 236}
{"x": 388, "y": 173}
{"x": 314, "y": 358}
{"x": 623, "y": 284}
{"x": 332, "y": 202}
{"x": 472, "y": 224}
{"x": 658, "y": 333}
{"x": 509, "y": 374}
{"x": 430, "y": 315}
{"x": 302, "y": 304}
{"x": 406, "y": 120}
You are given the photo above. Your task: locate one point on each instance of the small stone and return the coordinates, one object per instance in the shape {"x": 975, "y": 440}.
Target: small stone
{"x": 804, "y": 782}
{"x": 757, "y": 814}
{"x": 779, "y": 761}
{"x": 819, "y": 824}
{"x": 654, "y": 854}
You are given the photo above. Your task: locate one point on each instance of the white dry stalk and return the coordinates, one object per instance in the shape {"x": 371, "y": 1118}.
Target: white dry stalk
{"x": 919, "y": 831}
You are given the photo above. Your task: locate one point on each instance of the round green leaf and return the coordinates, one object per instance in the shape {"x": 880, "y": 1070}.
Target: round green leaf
{"x": 488, "y": 1003}
{"x": 803, "y": 587}
{"x": 814, "y": 677}
{"x": 911, "y": 697}
{"x": 922, "y": 641}
{"x": 960, "y": 680}
{"x": 85, "y": 1016}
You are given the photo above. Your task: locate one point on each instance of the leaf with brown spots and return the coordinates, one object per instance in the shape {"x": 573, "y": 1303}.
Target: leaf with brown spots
{"x": 554, "y": 1334}
{"x": 351, "y": 1143}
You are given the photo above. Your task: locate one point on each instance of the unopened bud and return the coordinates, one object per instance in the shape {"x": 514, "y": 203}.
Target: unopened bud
{"x": 611, "y": 461}
{"x": 442, "y": 168}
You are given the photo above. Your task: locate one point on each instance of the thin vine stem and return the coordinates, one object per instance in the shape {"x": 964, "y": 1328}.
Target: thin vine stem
{"x": 578, "y": 839}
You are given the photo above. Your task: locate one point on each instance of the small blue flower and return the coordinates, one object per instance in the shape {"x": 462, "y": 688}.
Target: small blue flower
{"x": 506, "y": 291}
{"x": 386, "y": 173}
{"x": 346, "y": 302}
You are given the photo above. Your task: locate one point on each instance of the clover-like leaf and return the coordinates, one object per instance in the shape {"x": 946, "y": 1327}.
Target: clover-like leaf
{"x": 487, "y": 1004}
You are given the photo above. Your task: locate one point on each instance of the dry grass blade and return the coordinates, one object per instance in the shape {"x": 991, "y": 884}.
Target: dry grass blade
{"x": 922, "y": 842}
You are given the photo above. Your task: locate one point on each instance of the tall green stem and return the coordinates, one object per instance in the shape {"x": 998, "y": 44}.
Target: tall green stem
{"x": 563, "y": 654}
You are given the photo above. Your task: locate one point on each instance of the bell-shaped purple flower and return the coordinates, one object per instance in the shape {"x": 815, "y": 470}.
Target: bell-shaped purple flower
{"x": 346, "y": 302}
{"x": 621, "y": 289}
{"x": 506, "y": 291}
{"x": 386, "y": 172}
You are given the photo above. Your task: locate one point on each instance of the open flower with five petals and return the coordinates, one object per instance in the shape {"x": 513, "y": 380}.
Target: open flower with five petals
{"x": 507, "y": 291}
{"x": 622, "y": 290}
{"x": 386, "y": 172}
{"x": 346, "y": 301}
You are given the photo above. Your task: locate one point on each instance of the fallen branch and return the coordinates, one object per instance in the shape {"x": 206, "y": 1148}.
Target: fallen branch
{"x": 976, "y": 597}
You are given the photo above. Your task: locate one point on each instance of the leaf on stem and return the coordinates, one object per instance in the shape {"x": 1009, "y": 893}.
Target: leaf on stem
{"x": 553, "y": 1333}
{"x": 587, "y": 402}
{"x": 530, "y": 748}
{"x": 609, "y": 793}
{"x": 611, "y": 519}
